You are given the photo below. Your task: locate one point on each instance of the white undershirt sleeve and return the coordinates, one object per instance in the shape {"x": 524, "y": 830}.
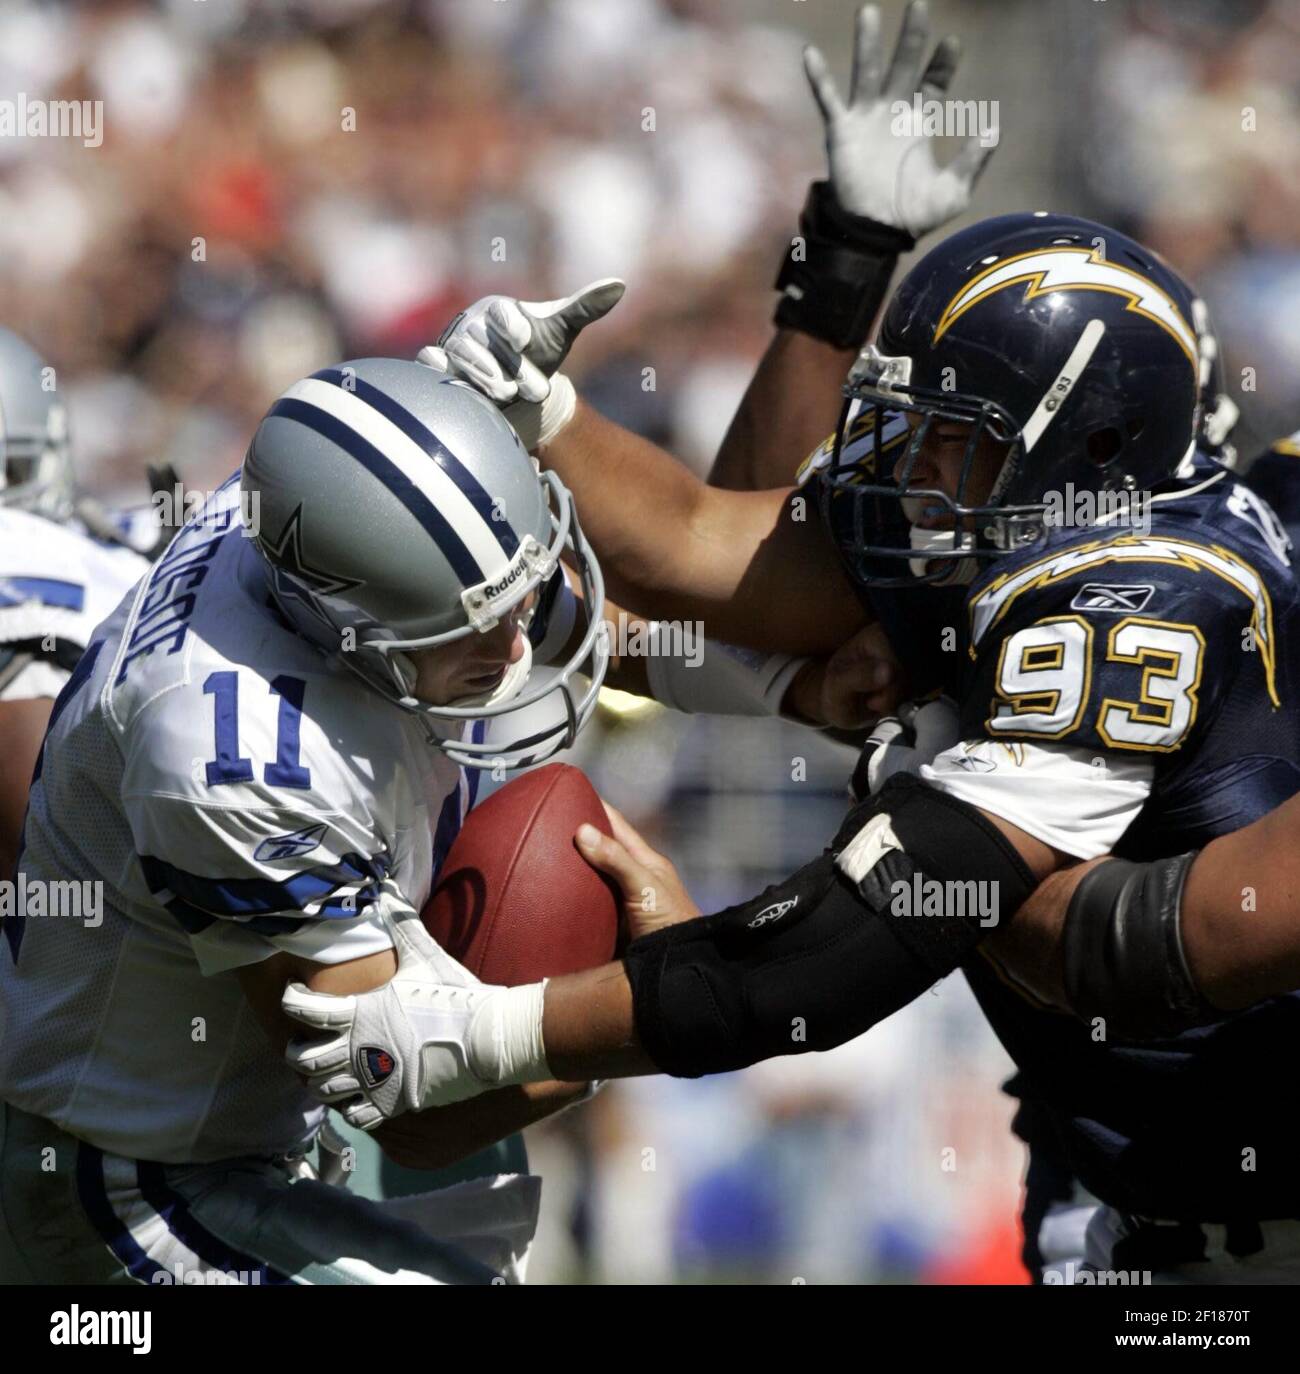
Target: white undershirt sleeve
{"x": 1074, "y": 799}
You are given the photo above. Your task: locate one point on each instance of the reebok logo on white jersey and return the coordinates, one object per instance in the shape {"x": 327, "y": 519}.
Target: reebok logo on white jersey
{"x": 772, "y": 913}
{"x": 75, "y": 1327}
{"x": 290, "y": 846}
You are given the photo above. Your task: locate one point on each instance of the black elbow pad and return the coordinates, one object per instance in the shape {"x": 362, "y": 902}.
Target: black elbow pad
{"x": 892, "y": 906}
{"x": 1123, "y": 950}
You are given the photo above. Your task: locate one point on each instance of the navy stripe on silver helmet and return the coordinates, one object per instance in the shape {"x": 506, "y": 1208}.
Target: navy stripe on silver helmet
{"x": 433, "y": 446}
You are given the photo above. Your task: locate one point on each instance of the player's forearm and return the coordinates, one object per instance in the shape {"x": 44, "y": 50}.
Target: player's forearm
{"x": 791, "y": 405}
{"x": 636, "y": 504}
{"x": 1240, "y": 918}
{"x": 442, "y": 1136}
{"x": 754, "y": 568}
{"x": 588, "y": 1027}
{"x": 702, "y": 678}
{"x": 627, "y": 668}
{"x": 716, "y": 993}
{"x": 670, "y": 547}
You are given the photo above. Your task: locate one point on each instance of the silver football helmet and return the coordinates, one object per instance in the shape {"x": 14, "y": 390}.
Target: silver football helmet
{"x": 398, "y": 511}
{"x": 35, "y": 458}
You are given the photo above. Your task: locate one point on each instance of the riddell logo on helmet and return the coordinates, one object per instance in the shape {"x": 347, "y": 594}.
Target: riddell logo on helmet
{"x": 491, "y": 590}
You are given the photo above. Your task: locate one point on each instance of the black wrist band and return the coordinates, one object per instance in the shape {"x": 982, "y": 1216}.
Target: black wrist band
{"x": 834, "y": 280}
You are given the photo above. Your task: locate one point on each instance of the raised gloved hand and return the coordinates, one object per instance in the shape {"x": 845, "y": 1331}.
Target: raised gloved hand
{"x": 891, "y": 176}
{"x": 432, "y": 1035}
{"x": 511, "y": 351}
{"x": 904, "y": 743}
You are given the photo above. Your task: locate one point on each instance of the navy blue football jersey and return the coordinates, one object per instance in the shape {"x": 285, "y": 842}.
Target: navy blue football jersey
{"x": 1176, "y": 641}
{"x": 1180, "y": 643}
{"x": 1275, "y": 476}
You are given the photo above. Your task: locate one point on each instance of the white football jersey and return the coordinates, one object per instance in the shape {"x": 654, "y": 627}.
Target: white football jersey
{"x": 55, "y": 580}
{"x": 235, "y": 794}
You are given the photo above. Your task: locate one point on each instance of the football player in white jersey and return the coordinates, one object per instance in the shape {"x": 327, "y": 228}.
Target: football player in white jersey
{"x": 230, "y": 779}
{"x": 57, "y": 582}
{"x": 242, "y": 785}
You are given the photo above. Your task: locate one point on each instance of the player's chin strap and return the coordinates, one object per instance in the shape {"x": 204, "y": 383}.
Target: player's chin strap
{"x": 961, "y": 571}
{"x": 1123, "y": 951}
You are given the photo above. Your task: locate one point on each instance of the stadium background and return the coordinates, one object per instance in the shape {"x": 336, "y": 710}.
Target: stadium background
{"x": 230, "y": 235}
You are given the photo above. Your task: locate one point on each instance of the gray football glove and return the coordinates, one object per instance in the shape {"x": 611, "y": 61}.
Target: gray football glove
{"x": 892, "y": 176}
{"x": 511, "y": 351}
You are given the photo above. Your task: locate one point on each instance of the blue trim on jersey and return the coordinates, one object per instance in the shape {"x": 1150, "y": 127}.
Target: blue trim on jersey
{"x": 450, "y": 819}
{"x": 93, "y": 1195}
{"x": 257, "y": 902}
{"x": 426, "y": 439}
{"x": 456, "y": 805}
{"x": 436, "y": 524}
{"x": 175, "y": 1211}
{"x": 49, "y": 591}
{"x": 473, "y": 775}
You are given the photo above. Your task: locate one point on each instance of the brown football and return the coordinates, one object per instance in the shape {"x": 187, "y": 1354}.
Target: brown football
{"x": 515, "y": 900}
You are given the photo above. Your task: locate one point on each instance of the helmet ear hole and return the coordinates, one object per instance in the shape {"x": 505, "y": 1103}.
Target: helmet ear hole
{"x": 1104, "y": 445}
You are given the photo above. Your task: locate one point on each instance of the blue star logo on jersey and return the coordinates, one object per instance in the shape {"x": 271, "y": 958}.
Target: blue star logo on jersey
{"x": 290, "y": 846}
{"x": 376, "y": 1065}
{"x": 295, "y": 578}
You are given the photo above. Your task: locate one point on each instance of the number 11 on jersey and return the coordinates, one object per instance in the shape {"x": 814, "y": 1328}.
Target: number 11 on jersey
{"x": 229, "y": 766}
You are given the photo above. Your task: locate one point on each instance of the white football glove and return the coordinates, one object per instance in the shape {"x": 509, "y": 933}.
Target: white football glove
{"x": 905, "y": 743}
{"x": 511, "y": 351}
{"x": 434, "y": 1034}
{"x": 887, "y": 176}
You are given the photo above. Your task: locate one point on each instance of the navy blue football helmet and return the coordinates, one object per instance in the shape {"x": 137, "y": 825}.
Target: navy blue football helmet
{"x": 1065, "y": 342}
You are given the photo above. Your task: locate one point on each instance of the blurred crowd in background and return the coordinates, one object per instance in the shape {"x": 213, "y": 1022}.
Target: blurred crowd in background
{"x": 287, "y": 183}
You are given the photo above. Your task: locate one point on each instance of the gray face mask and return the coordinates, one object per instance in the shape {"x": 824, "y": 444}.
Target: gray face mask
{"x": 572, "y": 687}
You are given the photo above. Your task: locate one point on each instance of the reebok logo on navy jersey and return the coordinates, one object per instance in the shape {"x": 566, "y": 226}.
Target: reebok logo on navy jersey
{"x": 1112, "y": 596}
{"x": 290, "y": 846}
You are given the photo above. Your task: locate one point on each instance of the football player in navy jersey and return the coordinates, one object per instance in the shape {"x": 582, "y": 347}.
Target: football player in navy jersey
{"x": 1126, "y": 608}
